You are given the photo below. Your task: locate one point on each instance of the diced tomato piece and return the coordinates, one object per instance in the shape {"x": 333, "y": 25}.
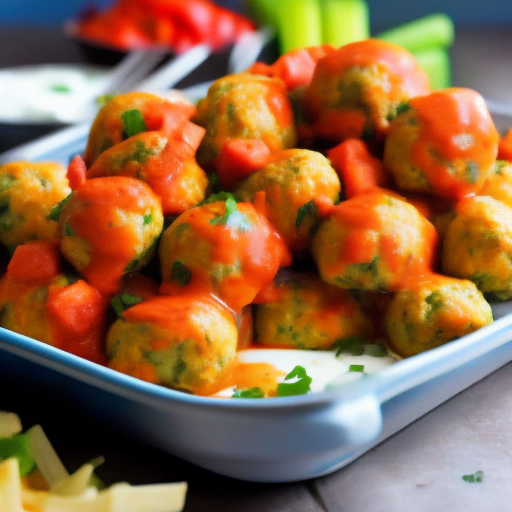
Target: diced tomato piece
{"x": 238, "y": 158}
{"x": 357, "y": 168}
{"x": 35, "y": 260}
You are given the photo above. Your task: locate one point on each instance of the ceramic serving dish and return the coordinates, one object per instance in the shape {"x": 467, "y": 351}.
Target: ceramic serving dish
{"x": 270, "y": 440}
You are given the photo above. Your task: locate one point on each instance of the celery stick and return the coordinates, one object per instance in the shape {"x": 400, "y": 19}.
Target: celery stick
{"x": 262, "y": 12}
{"x": 18, "y": 446}
{"x": 344, "y": 21}
{"x": 434, "y": 30}
{"x": 436, "y": 63}
{"x": 298, "y": 24}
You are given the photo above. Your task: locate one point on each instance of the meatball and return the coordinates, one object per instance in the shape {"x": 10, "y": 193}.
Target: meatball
{"x": 184, "y": 342}
{"x": 444, "y": 144}
{"x": 39, "y": 301}
{"x": 28, "y": 192}
{"x": 374, "y": 241}
{"x": 109, "y": 227}
{"x": 156, "y": 113}
{"x": 225, "y": 248}
{"x": 358, "y": 87}
{"x": 499, "y": 182}
{"x": 244, "y": 106}
{"x": 299, "y": 185}
{"x": 435, "y": 311}
{"x": 477, "y": 245}
{"x": 166, "y": 165}
{"x": 307, "y": 313}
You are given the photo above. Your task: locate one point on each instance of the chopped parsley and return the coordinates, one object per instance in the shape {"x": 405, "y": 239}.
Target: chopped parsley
{"x": 230, "y": 208}
{"x": 147, "y": 218}
{"x": 180, "y": 273}
{"x": 56, "y": 209}
{"x": 133, "y": 123}
{"x": 356, "y": 368}
{"x": 301, "y": 386}
{"x": 254, "y": 392}
{"x": 310, "y": 209}
{"x": 476, "y": 477}
{"x": 123, "y": 301}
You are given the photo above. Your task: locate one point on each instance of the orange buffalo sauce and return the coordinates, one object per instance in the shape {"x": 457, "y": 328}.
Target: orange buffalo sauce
{"x": 96, "y": 213}
{"x": 365, "y": 236}
{"x": 454, "y": 126}
{"x": 254, "y": 253}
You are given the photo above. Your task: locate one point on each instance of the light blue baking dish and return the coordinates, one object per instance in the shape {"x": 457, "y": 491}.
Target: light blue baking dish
{"x": 272, "y": 440}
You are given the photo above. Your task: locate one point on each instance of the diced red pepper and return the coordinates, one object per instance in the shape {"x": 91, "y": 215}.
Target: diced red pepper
{"x": 35, "y": 260}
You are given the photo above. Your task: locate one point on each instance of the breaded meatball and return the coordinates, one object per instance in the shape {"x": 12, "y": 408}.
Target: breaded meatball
{"x": 498, "y": 183}
{"x": 374, "y": 241}
{"x": 358, "y": 87}
{"x": 109, "y": 227}
{"x": 225, "y": 248}
{"x": 444, "y": 144}
{"x": 299, "y": 185}
{"x": 168, "y": 166}
{"x": 28, "y": 192}
{"x": 435, "y": 311}
{"x": 156, "y": 113}
{"x": 478, "y": 245}
{"x": 184, "y": 342}
{"x": 244, "y": 106}
{"x": 307, "y": 313}
{"x": 41, "y": 302}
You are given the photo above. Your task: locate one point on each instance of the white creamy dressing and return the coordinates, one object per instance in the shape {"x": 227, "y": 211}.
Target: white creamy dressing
{"x": 44, "y": 93}
{"x": 324, "y": 367}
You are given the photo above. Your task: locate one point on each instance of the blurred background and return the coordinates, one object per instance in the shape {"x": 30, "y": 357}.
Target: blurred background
{"x": 383, "y": 15}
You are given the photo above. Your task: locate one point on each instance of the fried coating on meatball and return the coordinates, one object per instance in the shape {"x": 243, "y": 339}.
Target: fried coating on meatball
{"x": 156, "y": 112}
{"x": 477, "y": 245}
{"x": 357, "y": 88}
{"x": 244, "y": 106}
{"x": 308, "y": 313}
{"x": 223, "y": 247}
{"x": 51, "y": 307}
{"x": 444, "y": 144}
{"x": 435, "y": 311}
{"x": 299, "y": 185}
{"x": 110, "y": 227}
{"x": 498, "y": 183}
{"x": 374, "y": 241}
{"x": 184, "y": 342}
{"x": 28, "y": 192}
{"x": 166, "y": 165}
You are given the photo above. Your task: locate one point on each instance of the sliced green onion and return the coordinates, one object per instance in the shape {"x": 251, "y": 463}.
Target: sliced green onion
{"x": 356, "y": 368}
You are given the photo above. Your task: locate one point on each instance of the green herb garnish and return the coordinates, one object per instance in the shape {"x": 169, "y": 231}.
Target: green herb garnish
{"x": 230, "y": 208}
{"x": 56, "y": 209}
{"x": 60, "y": 88}
{"x": 301, "y": 386}
{"x": 180, "y": 273}
{"x": 254, "y": 392}
{"x": 133, "y": 122}
{"x": 356, "y": 368}
{"x": 310, "y": 209}
{"x": 476, "y": 477}
{"x": 123, "y": 301}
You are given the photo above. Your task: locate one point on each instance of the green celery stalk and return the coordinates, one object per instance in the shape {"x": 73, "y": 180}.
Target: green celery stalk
{"x": 344, "y": 21}
{"x": 434, "y": 30}
{"x": 262, "y": 12}
{"x": 436, "y": 63}
{"x": 299, "y": 24}
{"x": 18, "y": 446}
